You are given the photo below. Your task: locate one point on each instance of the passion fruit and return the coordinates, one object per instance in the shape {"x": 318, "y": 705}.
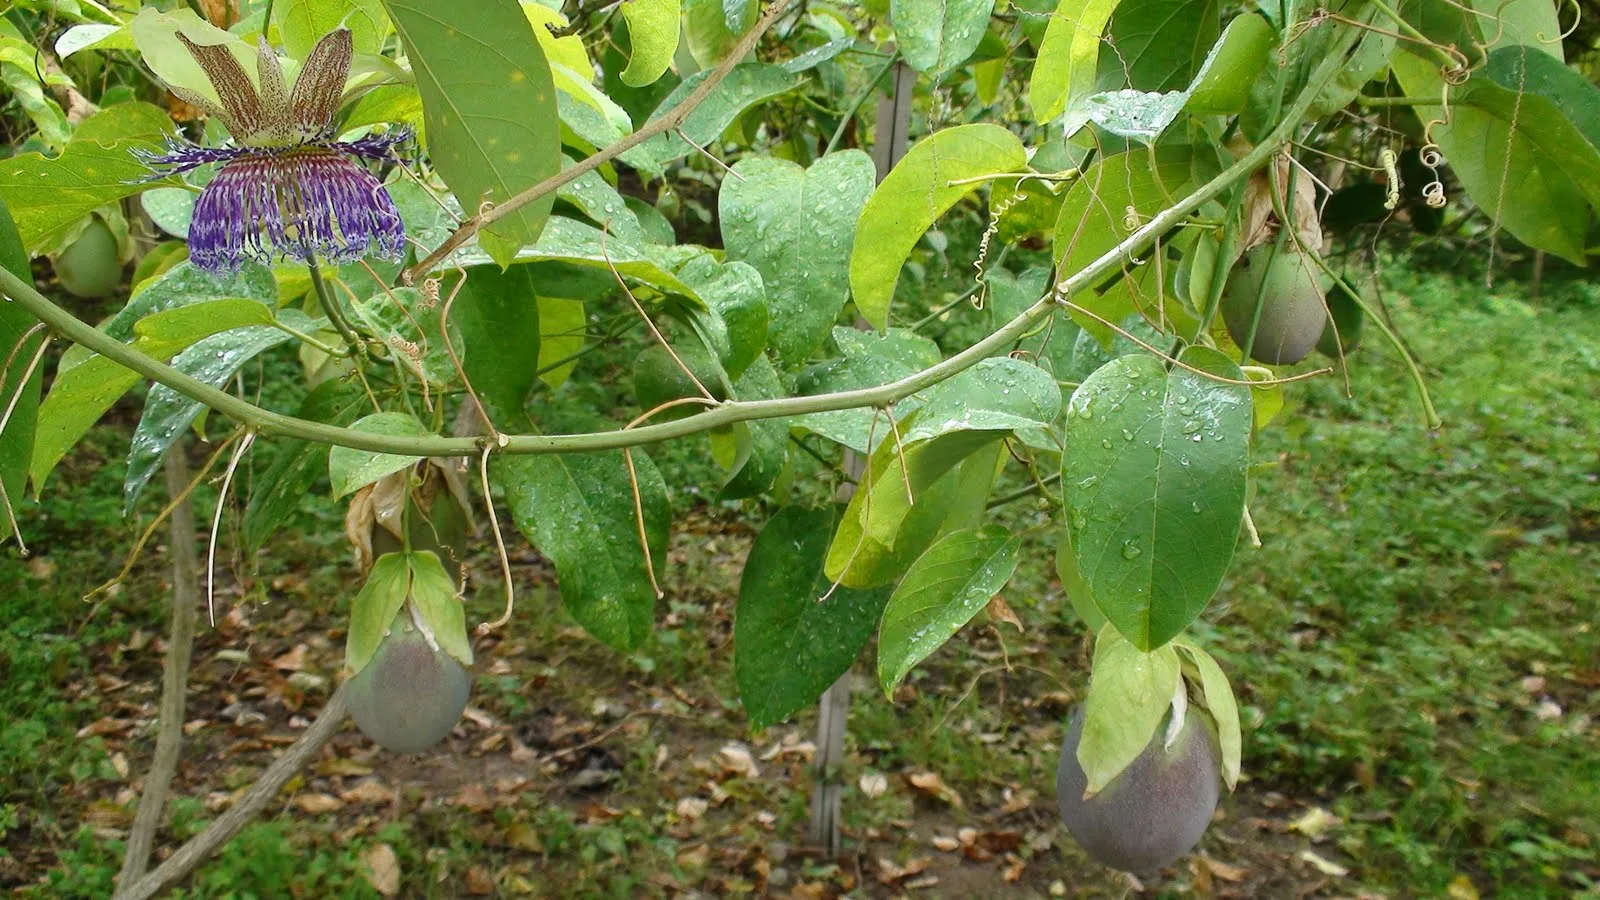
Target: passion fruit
{"x": 1292, "y": 310}
{"x": 658, "y": 379}
{"x": 1154, "y": 811}
{"x": 410, "y": 694}
{"x": 1346, "y": 322}
{"x": 89, "y": 267}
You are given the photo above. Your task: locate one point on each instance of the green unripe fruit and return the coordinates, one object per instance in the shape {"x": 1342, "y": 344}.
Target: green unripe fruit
{"x": 1292, "y": 311}
{"x": 410, "y": 694}
{"x": 1348, "y": 320}
{"x": 658, "y": 379}
{"x": 89, "y": 266}
{"x": 1154, "y": 811}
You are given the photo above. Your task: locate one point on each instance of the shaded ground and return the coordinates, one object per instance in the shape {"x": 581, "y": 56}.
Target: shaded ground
{"x": 1413, "y": 647}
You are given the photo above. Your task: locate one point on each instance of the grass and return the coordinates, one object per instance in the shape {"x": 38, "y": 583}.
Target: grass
{"x": 1414, "y": 647}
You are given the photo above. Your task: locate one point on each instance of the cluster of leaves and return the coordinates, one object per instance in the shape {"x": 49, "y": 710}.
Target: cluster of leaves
{"x": 1082, "y": 121}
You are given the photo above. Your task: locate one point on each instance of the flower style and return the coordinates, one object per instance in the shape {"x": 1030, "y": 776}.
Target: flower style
{"x": 287, "y": 188}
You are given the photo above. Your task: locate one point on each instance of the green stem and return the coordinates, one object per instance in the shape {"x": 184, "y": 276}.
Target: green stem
{"x": 333, "y": 310}
{"x": 855, "y": 105}
{"x": 270, "y": 423}
{"x": 1363, "y": 100}
{"x": 266, "y": 20}
{"x": 297, "y": 333}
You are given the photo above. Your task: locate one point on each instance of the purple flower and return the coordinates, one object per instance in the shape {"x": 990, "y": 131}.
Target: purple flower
{"x": 287, "y": 188}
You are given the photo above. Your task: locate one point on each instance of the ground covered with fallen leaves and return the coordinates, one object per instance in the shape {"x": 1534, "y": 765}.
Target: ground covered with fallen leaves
{"x": 1413, "y": 648}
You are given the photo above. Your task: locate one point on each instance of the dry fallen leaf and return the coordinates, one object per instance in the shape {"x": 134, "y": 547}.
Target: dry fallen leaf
{"x": 1315, "y": 823}
{"x": 946, "y": 844}
{"x": 318, "y": 803}
{"x": 1222, "y": 870}
{"x": 367, "y": 790}
{"x": 293, "y": 661}
{"x": 479, "y": 882}
{"x": 889, "y": 872}
{"x": 1014, "y": 866}
{"x": 381, "y": 868}
{"x": 692, "y": 808}
{"x": 737, "y": 758}
{"x": 873, "y": 784}
{"x": 522, "y": 836}
{"x": 931, "y": 784}
{"x": 1326, "y": 867}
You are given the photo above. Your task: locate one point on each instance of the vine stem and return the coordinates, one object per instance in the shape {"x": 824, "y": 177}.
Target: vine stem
{"x": 175, "y": 675}
{"x": 669, "y": 121}
{"x": 266, "y": 422}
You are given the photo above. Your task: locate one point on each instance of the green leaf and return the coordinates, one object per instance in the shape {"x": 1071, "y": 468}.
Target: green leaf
{"x": 913, "y": 196}
{"x": 498, "y": 317}
{"x": 301, "y": 23}
{"x": 709, "y": 33}
{"x": 16, "y": 441}
{"x": 93, "y": 36}
{"x": 1072, "y": 585}
{"x": 578, "y": 511}
{"x": 870, "y": 359}
{"x": 1526, "y": 23}
{"x": 796, "y": 226}
{"x": 941, "y": 592}
{"x": 954, "y": 501}
{"x": 1129, "y": 694}
{"x": 1065, "y": 67}
{"x": 1136, "y": 114}
{"x": 473, "y": 64}
{"x": 789, "y": 644}
{"x": 561, "y": 334}
{"x": 1519, "y": 158}
{"x": 277, "y": 494}
{"x": 747, "y": 85}
{"x": 997, "y": 394}
{"x": 48, "y": 196}
{"x": 156, "y": 34}
{"x": 1222, "y": 705}
{"x": 1154, "y": 483}
{"x": 598, "y": 200}
{"x": 374, "y": 609}
{"x": 167, "y": 413}
{"x": 171, "y": 209}
{"x": 1369, "y": 61}
{"x": 84, "y": 390}
{"x": 438, "y": 605}
{"x": 1096, "y": 216}
{"x": 1161, "y": 44}
{"x": 577, "y": 244}
{"x": 1222, "y": 86}
{"x": 1009, "y": 295}
{"x": 408, "y": 323}
{"x": 762, "y": 445}
{"x": 653, "y": 35}
{"x": 937, "y": 36}
{"x": 734, "y": 321}
{"x": 350, "y": 470}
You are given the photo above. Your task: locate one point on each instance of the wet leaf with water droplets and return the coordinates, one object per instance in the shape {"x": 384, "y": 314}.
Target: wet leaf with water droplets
{"x": 1154, "y": 513}
{"x": 789, "y": 644}
{"x": 577, "y": 509}
{"x": 941, "y": 592}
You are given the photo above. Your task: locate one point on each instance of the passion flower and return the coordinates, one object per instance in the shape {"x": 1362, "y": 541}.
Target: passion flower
{"x": 288, "y": 189}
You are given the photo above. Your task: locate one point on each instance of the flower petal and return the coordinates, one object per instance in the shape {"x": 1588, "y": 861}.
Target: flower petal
{"x": 240, "y": 101}
{"x": 293, "y": 204}
{"x": 276, "y": 120}
{"x": 320, "y": 86}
